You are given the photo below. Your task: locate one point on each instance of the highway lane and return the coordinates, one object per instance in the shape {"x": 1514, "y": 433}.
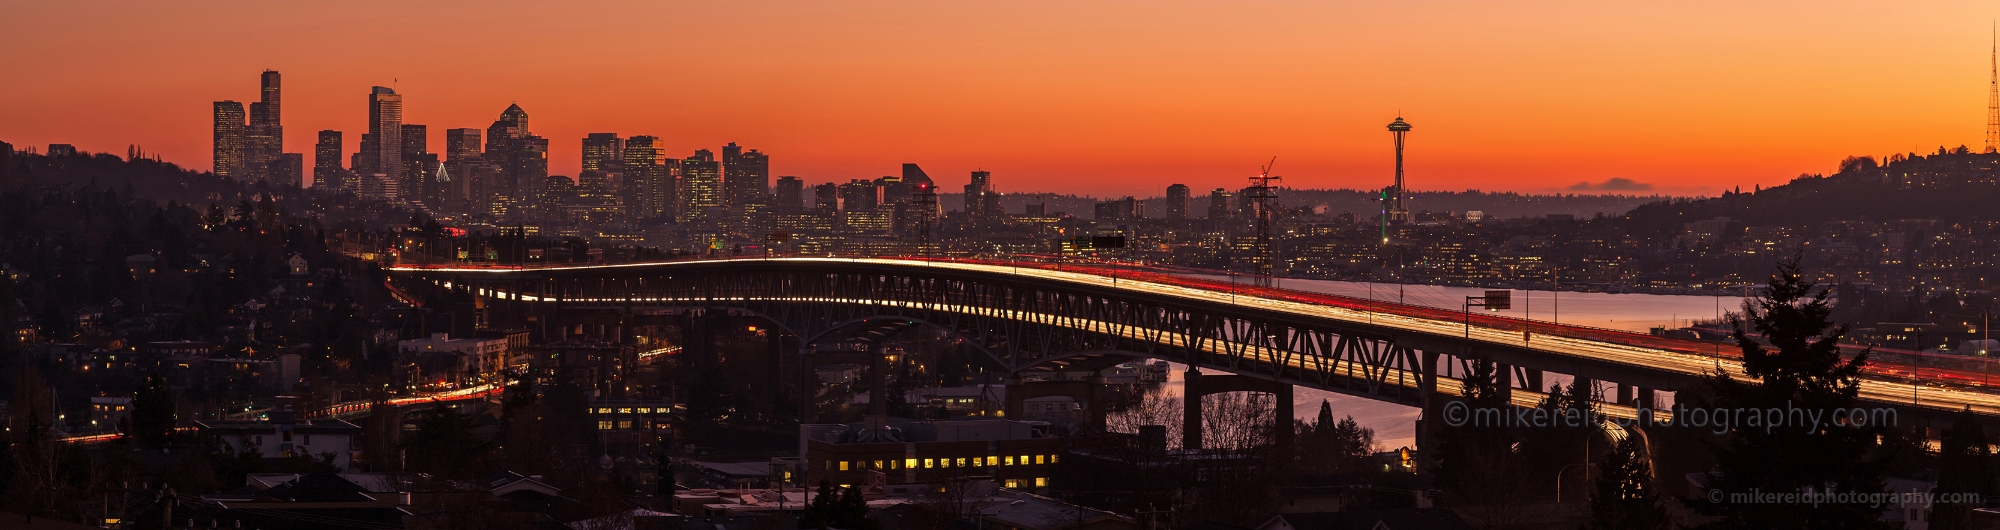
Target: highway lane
{"x": 1884, "y": 392}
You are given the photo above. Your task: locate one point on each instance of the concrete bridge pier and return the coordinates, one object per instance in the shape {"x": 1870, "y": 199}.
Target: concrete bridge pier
{"x": 878, "y": 381}
{"x": 1197, "y": 385}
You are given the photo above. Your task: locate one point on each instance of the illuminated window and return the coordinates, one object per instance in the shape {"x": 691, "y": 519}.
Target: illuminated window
{"x": 604, "y": 411}
{"x": 1052, "y": 458}
{"x": 927, "y": 463}
{"x": 992, "y": 461}
{"x": 1010, "y": 460}
{"x": 961, "y": 462}
{"x": 843, "y": 465}
{"x": 604, "y": 425}
{"x": 625, "y": 424}
{"x": 625, "y": 410}
{"x": 1038, "y": 459}
{"x": 944, "y": 462}
{"x": 878, "y": 465}
{"x": 1041, "y": 482}
{"x": 1013, "y": 483}
{"x": 645, "y": 411}
{"x": 910, "y": 463}
{"x": 1024, "y": 460}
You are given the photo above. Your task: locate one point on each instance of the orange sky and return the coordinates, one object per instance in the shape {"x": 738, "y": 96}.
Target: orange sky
{"x": 1088, "y": 97}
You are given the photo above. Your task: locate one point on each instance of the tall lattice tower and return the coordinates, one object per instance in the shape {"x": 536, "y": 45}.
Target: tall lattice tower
{"x": 1993, "y": 99}
{"x": 1262, "y": 196}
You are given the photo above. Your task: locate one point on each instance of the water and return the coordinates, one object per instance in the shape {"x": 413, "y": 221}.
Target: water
{"x": 1395, "y": 425}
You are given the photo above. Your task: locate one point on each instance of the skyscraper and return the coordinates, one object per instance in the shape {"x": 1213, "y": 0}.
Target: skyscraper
{"x": 382, "y": 148}
{"x": 746, "y": 177}
{"x": 650, "y": 189}
{"x": 1178, "y": 202}
{"x": 461, "y": 144}
{"x": 288, "y": 169}
{"x": 602, "y": 151}
{"x": 1218, "y": 204}
{"x": 826, "y": 198}
{"x": 229, "y": 123}
{"x": 701, "y": 184}
{"x": 530, "y": 161}
{"x": 326, "y": 160}
{"x": 264, "y": 138}
{"x": 789, "y": 193}
{"x": 975, "y": 194}
{"x": 416, "y": 140}
{"x": 502, "y": 145}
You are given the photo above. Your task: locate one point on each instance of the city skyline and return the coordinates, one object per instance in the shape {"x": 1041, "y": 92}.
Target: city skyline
{"x": 1681, "y": 116}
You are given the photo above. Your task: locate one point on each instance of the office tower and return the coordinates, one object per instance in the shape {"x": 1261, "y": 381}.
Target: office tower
{"x": 416, "y": 141}
{"x": 1178, "y": 202}
{"x": 382, "y": 147}
{"x": 859, "y": 195}
{"x": 326, "y": 160}
{"x": 701, "y": 184}
{"x": 602, "y": 151}
{"x": 789, "y": 193}
{"x": 1397, "y": 213}
{"x": 264, "y": 137}
{"x": 503, "y": 140}
{"x": 1218, "y": 204}
{"x": 531, "y": 160}
{"x": 650, "y": 189}
{"x": 746, "y": 176}
{"x": 229, "y": 123}
{"x": 6, "y": 164}
{"x": 826, "y": 198}
{"x": 288, "y": 169}
{"x": 461, "y": 144}
{"x": 556, "y": 191}
{"x": 1124, "y": 209}
{"x": 897, "y": 190}
{"x": 975, "y": 194}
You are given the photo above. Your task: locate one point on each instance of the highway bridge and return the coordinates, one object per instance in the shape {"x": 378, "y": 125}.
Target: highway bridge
{"x": 1044, "y": 316}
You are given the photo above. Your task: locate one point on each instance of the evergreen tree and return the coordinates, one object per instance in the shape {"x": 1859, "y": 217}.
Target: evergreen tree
{"x": 1965, "y": 466}
{"x": 819, "y": 511}
{"x": 1622, "y": 496}
{"x": 1476, "y": 462}
{"x": 1803, "y": 369}
{"x": 152, "y": 413}
{"x": 851, "y": 512}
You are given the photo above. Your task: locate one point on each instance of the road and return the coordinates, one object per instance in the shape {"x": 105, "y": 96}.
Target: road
{"x": 1684, "y": 357}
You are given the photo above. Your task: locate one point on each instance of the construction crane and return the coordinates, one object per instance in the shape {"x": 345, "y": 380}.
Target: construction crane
{"x": 1262, "y": 193}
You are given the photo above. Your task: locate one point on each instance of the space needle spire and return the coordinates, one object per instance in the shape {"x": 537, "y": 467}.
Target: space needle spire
{"x": 1993, "y": 98}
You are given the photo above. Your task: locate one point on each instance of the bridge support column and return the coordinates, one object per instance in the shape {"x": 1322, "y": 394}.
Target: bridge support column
{"x": 1093, "y": 406}
{"x": 1533, "y": 380}
{"x": 878, "y": 381}
{"x": 1503, "y": 378}
{"x": 1429, "y": 402}
{"x": 1646, "y": 398}
{"x": 1624, "y": 394}
{"x": 1191, "y": 410}
{"x": 808, "y": 383}
{"x": 1588, "y": 386}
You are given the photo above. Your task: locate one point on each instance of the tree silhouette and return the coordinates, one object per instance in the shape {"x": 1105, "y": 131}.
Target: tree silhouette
{"x": 1623, "y": 496}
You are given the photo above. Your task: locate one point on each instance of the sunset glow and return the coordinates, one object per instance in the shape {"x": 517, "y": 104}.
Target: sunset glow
{"x": 1105, "y": 98}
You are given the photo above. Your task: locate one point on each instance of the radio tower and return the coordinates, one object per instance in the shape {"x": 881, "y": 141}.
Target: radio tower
{"x": 1993, "y": 99}
{"x": 1397, "y": 213}
{"x": 1263, "y": 193}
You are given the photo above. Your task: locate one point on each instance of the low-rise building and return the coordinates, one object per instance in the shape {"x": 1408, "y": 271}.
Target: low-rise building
{"x": 1017, "y": 454}
{"x": 284, "y": 435}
